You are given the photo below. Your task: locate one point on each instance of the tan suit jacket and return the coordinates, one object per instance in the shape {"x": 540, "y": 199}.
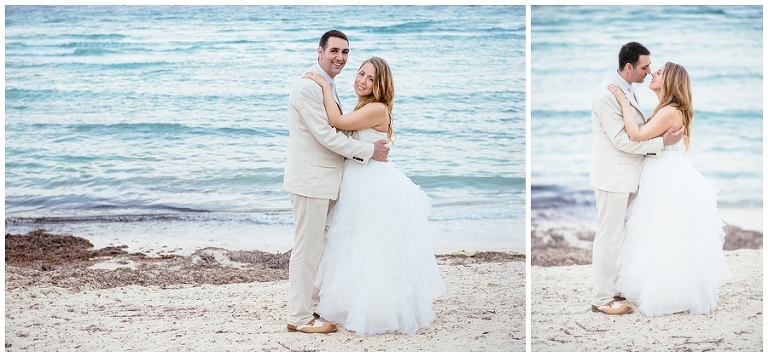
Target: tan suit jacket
{"x": 614, "y": 174}
{"x": 616, "y": 160}
{"x": 316, "y": 150}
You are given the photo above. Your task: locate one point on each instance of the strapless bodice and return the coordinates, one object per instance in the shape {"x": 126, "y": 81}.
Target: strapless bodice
{"x": 676, "y": 149}
{"x": 678, "y": 146}
{"x": 369, "y": 135}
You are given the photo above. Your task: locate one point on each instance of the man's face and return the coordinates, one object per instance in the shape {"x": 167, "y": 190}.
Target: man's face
{"x": 637, "y": 73}
{"x": 334, "y": 57}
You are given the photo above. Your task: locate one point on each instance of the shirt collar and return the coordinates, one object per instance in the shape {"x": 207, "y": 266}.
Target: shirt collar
{"x": 624, "y": 82}
{"x": 325, "y": 75}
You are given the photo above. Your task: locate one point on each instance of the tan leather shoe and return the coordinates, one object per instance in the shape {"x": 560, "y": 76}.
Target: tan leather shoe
{"x": 618, "y": 297}
{"x": 313, "y": 326}
{"x": 612, "y": 308}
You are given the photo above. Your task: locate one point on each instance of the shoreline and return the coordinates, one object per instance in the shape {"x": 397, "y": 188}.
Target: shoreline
{"x": 565, "y": 240}
{"x": 157, "y": 238}
{"x": 746, "y": 218}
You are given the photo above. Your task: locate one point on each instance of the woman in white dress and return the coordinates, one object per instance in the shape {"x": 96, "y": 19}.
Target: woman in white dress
{"x": 378, "y": 271}
{"x": 671, "y": 259}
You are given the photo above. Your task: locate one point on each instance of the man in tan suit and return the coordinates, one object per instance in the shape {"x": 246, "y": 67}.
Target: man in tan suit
{"x": 316, "y": 154}
{"x": 615, "y": 170}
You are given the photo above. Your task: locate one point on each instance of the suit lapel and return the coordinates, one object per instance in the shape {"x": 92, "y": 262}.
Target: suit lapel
{"x": 336, "y": 96}
{"x": 630, "y": 97}
{"x": 633, "y": 102}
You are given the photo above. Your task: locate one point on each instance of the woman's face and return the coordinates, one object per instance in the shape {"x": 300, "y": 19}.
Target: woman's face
{"x": 656, "y": 79}
{"x": 364, "y": 80}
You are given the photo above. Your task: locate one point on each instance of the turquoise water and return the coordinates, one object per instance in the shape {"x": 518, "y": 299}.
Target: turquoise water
{"x": 574, "y": 48}
{"x": 117, "y": 114}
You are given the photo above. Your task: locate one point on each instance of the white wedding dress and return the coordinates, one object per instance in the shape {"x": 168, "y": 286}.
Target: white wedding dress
{"x": 378, "y": 271}
{"x": 672, "y": 259}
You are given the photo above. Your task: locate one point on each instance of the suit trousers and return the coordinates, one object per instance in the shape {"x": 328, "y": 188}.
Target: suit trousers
{"x": 611, "y": 216}
{"x": 309, "y": 216}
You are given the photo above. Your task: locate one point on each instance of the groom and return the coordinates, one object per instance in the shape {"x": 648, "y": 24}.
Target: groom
{"x": 615, "y": 170}
{"x": 313, "y": 170}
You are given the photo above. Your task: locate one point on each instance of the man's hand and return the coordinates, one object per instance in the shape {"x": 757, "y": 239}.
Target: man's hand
{"x": 673, "y": 135}
{"x": 380, "y": 151}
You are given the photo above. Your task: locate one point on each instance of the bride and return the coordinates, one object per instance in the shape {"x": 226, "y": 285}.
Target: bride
{"x": 378, "y": 271}
{"x": 671, "y": 259}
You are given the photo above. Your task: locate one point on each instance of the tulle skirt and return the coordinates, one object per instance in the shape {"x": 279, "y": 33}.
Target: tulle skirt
{"x": 671, "y": 259}
{"x": 378, "y": 271}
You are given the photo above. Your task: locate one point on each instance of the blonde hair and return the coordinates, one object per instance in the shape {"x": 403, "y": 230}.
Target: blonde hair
{"x": 676, "y": 92}
{"x": 383, "y": 90}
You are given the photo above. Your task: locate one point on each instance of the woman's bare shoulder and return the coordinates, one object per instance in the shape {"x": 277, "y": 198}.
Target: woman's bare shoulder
{"x": 375, "y": 106}
{"x": 668, "y": 109}
{"x": 669, "y": 112}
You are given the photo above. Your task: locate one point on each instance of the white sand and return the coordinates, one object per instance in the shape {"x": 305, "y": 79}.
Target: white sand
{"x": 562, "y": 320}
{"x": 483, "y": 309}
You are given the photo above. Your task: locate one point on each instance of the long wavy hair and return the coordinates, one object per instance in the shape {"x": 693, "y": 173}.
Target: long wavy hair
{"x": 383, "y": 90}
{"x": 676, "y": 92}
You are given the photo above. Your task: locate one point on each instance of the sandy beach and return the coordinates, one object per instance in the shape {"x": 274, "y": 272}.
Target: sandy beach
{"x": 562, "y": 320}
{"x": 75, "y": 298}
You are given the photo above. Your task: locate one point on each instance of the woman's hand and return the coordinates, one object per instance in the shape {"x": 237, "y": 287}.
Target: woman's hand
{"x": 618, "y": 93}
{"x": 317, "y": 78}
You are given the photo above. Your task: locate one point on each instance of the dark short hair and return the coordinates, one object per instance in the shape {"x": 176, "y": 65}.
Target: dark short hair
{"x": 329, "y": 34}
{"x": 630, "y": 53}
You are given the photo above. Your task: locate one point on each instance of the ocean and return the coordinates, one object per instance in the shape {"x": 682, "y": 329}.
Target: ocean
{"x": 170, "y": 123}
{"x": 574, "y": 47}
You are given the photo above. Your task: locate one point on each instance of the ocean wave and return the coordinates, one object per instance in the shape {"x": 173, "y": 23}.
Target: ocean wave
{"x": 43, "y": 214}
{"x": 743, "y": 11}
{"x": 475, "y": 214}
{"x": 555, "y": 196}
{"x": 66, "y": 41}
{"x": 93, "y": 52}
{"x": 13, "y": 94}
{"x": 147, "y": 128}
{"x": 98, "y": 36}
{"x": 741, "y": 114}
{"x": 492, "y": 183}
{"x": 567, "y": 16}
{"x": 171, "y": 215}
{"x": 177, "y": 129}
{"x": 402, "y": 27}
{"x": 110, "y": 215}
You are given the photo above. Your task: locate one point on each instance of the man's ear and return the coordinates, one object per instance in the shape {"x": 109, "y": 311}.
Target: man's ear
{"x": 319, "y": 52}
